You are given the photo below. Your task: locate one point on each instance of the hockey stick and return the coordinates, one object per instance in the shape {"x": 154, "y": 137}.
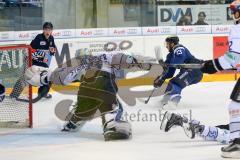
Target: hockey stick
{"x": 159, "y": 58}
{"x": 149, "y": 97}
{"x": 34, "y": 100}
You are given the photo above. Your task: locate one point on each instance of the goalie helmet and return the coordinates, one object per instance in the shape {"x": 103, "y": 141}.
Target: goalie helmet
{"x": 235, "y": 7}
{"x": 172, "y": 39}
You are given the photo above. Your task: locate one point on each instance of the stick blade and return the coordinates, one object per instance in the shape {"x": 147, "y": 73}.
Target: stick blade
{"x": 158, "y": 53}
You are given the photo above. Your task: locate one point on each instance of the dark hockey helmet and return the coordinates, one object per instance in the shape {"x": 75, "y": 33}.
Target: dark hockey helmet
{"x": 172, "y": 39}
{"x": 47, "y": 25}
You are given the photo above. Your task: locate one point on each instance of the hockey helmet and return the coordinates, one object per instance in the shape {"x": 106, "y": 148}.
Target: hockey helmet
{"x": 172, "y": 39}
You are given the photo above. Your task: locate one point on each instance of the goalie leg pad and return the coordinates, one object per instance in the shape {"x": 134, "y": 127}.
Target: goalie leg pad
{"x": 235, "y": 96}
{"x": 117, "y": 130}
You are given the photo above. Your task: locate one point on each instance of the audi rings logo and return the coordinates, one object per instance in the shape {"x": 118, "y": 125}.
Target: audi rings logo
{"x": 201, "y": 29}
{"x": 66, "y": 33}
{"x": 165, "y": 30}
{"x": 99, "y": 32}
{"x": 132, "y": 31}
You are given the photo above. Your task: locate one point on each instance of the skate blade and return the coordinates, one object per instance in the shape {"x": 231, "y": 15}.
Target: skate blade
{"x": 170, "y": 106}
{"x": 116, "y": 136}
{"x": 165, "y": 120}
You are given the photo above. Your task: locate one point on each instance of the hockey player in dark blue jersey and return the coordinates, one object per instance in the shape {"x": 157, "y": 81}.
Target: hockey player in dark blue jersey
{"x": 178, "y": 54}
{"x": 45, "y": 48}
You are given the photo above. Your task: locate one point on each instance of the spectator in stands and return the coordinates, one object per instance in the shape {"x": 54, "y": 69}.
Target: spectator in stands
{"x": 202, "y": 2}
{"x": 185, "y": 20}
{"x": 201, "y": 18}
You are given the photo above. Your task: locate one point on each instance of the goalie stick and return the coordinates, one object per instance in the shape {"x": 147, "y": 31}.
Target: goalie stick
{"x": 34, "y": 100}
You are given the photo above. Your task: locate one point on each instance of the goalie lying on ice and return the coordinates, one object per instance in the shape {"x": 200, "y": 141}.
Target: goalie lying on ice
{"x": 97, "y": 92}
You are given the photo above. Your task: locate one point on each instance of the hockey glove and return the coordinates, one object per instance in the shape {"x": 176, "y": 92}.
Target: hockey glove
{"x": 158, "y": 82}
{"x": 211, "y": 66}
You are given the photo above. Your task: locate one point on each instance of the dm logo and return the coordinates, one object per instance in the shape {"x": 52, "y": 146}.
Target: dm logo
{"x": 173, "y": 14}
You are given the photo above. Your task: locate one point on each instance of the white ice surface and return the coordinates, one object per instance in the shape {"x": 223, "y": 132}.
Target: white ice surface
{"x": 208, "y": 102}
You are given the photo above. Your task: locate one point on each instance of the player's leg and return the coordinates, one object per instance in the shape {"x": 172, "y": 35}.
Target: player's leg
{"x": 233, "y": 150}
{"x": 171, "y": 120}
{"x": 212, "y": 133}
{"x": 175, "y": 86}
{"x": 43, "y": 91}
{"x": 193, "y": 128}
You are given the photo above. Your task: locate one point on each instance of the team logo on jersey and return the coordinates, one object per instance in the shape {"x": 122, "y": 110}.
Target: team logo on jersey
{"x": 42, "y": 43}
{"x": 179, "y": 51}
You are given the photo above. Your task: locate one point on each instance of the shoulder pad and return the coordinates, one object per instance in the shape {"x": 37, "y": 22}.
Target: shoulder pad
{"x": 179, "y": 50}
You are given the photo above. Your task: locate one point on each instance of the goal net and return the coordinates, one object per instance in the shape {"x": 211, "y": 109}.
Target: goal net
{"x": 16, "y": 108}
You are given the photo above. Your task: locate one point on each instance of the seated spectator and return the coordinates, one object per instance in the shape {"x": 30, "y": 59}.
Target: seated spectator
{"x": 185, "y": 21}
{"x": 201, "y": 18}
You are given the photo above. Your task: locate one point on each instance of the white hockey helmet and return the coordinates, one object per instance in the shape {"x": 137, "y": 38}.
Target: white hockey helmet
{"x": 235, "y": 7}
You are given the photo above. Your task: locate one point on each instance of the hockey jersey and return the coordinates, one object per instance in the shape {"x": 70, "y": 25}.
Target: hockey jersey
{"x": 41, "y": 54}
{"x": 179, "y": 55}
{"x": 231, "y": 59}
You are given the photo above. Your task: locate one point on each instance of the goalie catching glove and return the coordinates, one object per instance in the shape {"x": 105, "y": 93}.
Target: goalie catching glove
{"x": 36, "y": 76}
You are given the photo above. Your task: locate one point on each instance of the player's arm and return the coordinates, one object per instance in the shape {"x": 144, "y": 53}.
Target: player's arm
{"x": 35, "y": 43}
{"x": 178, "y": 58}
{"x": 211, "y": 66}
{"x": 53, "y": 48}
{"x": 123, "y": 61}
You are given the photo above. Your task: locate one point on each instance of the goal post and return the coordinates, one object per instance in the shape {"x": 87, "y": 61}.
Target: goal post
{"x": 14, "y": 60}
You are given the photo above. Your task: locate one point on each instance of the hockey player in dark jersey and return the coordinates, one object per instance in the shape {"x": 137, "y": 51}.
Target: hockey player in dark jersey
{"x": 178, "y": 54}
{"x": 43, "y": 48}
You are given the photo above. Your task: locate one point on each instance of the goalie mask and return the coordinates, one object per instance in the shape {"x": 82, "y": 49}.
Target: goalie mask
{"x": 235, "y": 10}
